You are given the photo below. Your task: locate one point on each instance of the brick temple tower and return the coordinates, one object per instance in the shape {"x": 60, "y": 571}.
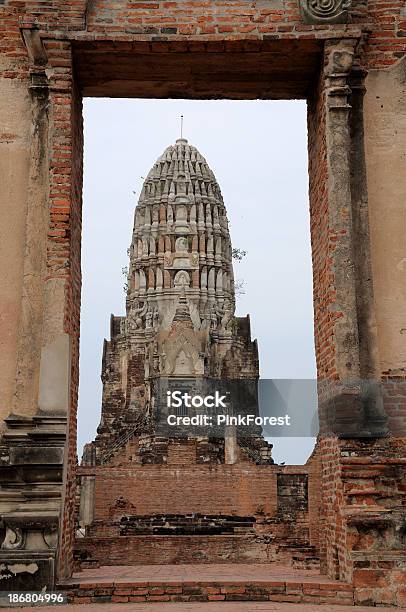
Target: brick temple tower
{"x": 179, "y": 323}
{"x": 152, "y": 496}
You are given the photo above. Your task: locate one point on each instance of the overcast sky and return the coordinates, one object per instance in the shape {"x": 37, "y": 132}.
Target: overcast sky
{"x": 258, "y": 153}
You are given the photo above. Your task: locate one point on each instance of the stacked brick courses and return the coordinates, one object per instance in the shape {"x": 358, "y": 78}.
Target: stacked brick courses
{"x": 310, "y": 591}
{"x": 284, "y": 525}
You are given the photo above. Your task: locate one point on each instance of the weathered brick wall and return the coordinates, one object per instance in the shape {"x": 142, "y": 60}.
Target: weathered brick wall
{"x": 65, "y": 237}
{"x": 363, "y": 509}
{"x": 323, "y": 283}
{"x": 276, "y": 497}
{"x": 169, "y": 20}
{"x": 153, "y": 550}
{"x": 166, "y": 19}
{"x": 181, "y": 454}
{"x": 314, "y": 466}
{"x": 386, "y": 43}
{"x": 332, "y": 544}
{"x": 242, "y": 489}
{"x": 394, "y": 392}
{"x": 217, "y": 489}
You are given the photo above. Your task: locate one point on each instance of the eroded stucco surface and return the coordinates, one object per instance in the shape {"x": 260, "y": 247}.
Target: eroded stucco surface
{"x": 14, "y": 170}
{"x": 385, "y": 137}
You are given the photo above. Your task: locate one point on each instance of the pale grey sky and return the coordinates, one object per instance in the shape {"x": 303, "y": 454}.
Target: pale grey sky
{"x": 258, "y": 152}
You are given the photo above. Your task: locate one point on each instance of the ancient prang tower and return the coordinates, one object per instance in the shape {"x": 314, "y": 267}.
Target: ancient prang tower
{"x": 138, "y": 481}
{"x": 179, "y": 323}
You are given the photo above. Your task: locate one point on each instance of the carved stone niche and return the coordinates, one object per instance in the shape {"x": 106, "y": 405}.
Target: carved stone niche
{"x": 28, "y": 552}
{"x": 31, "y": 465}
{"x": 324, "y": 11}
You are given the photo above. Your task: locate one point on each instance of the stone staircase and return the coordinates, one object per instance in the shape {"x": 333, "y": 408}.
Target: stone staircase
{"x": 303, "y": 557}
{"x": 306, "y": 558}
{"x": 210, "y": 587}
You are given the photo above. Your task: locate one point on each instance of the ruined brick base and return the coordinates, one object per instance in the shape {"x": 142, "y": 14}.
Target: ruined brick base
{"x": 186, "y": 512}
{"x": 153, "y": 550}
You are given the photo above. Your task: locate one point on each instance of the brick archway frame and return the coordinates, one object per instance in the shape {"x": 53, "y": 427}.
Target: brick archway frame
{"x": 50, "y": 60}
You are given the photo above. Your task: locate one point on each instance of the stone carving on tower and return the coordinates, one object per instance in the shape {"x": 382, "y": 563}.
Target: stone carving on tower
{"x": 180, "y": 304}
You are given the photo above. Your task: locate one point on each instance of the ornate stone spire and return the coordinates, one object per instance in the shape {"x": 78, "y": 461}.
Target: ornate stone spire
{"x": 180, "y": 321}
{"x": 180, "y": 246}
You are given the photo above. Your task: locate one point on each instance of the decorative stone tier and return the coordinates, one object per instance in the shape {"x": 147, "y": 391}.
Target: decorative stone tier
{"x": 180, "y": 240}
{"x": 31, "y": 468}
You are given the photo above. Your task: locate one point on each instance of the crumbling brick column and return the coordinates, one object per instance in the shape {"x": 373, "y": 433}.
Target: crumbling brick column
{"x": 39, "y": 441}
{"x": 361, "y": 538}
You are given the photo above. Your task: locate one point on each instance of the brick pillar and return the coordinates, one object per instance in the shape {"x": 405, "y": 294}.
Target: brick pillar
{"x": 340, "y": 401}
{"x": 362, "y": 470}
{"x": 353, "y": 407}
{"x": 33, "y": 444}
{"x": 64, "y": 265}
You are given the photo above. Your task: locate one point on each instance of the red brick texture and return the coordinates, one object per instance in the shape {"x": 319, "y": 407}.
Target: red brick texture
{"x": 220, "y": 489}
{"x": 285, "y": 529}
{"x": 322, "y": 242}
{"x": 177, "y": 20}
{"x": 362, "y": 510}
{"x": 64, "y": 249}
{"x": 310, "y": 591}
{"x": 154, "y": 550}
